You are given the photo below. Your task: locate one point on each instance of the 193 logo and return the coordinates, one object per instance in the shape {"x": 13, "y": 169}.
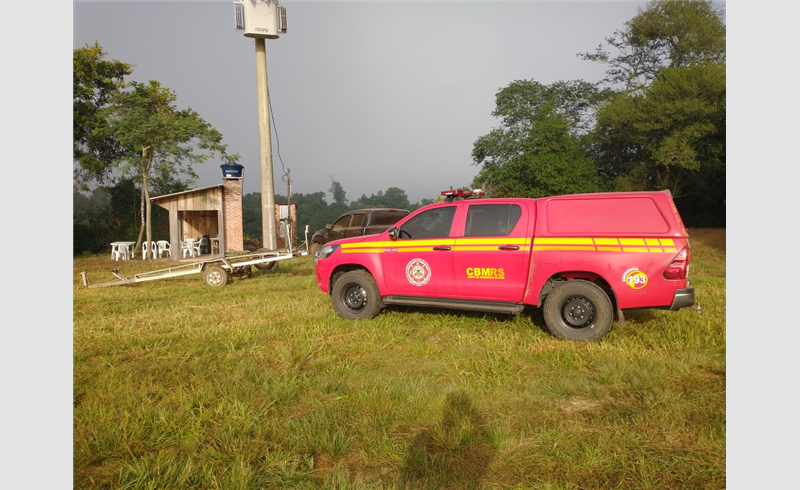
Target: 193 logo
{"x": 635, "y": 278}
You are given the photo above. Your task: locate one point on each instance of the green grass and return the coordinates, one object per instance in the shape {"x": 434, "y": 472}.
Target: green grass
{"x": 261, "y": 385}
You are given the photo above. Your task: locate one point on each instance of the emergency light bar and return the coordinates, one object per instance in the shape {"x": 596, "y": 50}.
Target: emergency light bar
{"x": 451, "y": 195}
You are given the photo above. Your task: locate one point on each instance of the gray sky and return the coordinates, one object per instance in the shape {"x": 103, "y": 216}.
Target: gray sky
{"x": 371, "y": 94}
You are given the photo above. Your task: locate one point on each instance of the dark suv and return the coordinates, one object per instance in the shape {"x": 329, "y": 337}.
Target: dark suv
{"x": 358, "y": 222}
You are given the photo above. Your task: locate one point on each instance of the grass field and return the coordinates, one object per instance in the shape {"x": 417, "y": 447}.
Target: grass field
{"x": 260, "y": 384}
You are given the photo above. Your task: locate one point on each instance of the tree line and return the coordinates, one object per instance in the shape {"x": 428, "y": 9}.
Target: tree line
{"x": 655, "y": 121}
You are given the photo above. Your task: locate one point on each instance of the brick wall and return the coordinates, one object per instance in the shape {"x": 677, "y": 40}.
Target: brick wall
{"x": 232, "y": 207}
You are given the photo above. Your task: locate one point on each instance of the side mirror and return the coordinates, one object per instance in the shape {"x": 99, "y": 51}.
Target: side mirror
{"x": 393, "y": 233}
{"x": 328, "y": 226}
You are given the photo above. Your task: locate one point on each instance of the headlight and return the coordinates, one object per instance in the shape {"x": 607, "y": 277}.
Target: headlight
{"x": 327, "y": 250}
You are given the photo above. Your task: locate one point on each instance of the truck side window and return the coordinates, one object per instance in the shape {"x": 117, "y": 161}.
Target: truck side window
{"x": 341, "y": 223}
{"x": 358, "y": 220}
{"x": 386, "y": 218}
{"x": 492, "y": 219}
{"x": 434, "y": 223}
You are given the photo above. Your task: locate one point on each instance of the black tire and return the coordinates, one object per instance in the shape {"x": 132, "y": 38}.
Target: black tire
{"x": 316, "y": 248}
{"x": 215, "y": 276}
{"x": 355, "y": 296}
{"x": 578, "y": 310}
{"x": 266, "y": 265}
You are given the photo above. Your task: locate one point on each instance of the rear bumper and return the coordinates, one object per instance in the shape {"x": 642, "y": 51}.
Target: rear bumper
{"x": 683, "y": 298}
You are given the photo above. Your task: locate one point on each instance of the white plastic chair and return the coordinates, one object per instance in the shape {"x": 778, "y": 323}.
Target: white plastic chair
{"x": 119, "y": 252}
{"x": 163, "y": 246}
{"x": 187, "y": 247}
{"x": 151, "y": 249}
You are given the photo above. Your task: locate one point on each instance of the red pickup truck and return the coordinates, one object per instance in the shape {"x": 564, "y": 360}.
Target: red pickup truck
{"x": 582, "y": 258}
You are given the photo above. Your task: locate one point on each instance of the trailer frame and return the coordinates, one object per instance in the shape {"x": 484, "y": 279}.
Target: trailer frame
{"x": 216, "y": 270}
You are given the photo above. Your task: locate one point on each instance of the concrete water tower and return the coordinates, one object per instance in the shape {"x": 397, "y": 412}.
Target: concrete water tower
{"x": 261, "y": 20}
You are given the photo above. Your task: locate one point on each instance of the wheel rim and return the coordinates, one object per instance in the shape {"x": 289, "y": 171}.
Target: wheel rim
{"x": 355, "y": 297}
{"x": 215, "y": 278}
{"x": 578, "y": 312}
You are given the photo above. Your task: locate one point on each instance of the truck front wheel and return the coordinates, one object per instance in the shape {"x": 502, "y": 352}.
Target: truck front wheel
{"x": 355, "y": 296}
{"x": 578, "y": 310}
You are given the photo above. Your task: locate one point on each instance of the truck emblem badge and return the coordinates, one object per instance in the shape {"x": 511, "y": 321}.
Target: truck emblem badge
{"x": 418, "y": 272}
{"x": 635, "y": 278}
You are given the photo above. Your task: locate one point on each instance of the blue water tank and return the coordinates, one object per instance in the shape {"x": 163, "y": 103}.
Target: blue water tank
{"x": 232, "y": 170}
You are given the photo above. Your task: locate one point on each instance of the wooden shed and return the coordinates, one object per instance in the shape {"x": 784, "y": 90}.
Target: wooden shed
{"x": 194, "y": 214}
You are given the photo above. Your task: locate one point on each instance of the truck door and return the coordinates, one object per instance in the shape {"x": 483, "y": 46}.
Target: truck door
{"x": 356, "y": 227}
{"x": 492, "y": 252}
{"x": 420, "y": 261}
{"x": 339, "y": 228}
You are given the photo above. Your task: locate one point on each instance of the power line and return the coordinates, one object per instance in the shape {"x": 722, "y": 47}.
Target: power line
{"x": 277, "y": 141}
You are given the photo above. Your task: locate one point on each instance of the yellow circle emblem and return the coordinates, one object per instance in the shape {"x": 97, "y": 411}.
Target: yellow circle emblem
{"x": 636, "y": 279}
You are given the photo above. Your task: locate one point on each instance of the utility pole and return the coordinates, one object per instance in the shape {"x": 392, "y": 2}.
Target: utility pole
{"x": 289, "y": 237}
{"x": 265, "y": 147}
{"x": 261, "y": 20}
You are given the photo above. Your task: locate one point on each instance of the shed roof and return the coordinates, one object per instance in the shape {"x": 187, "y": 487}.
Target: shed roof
{"x": 186, "y": 192}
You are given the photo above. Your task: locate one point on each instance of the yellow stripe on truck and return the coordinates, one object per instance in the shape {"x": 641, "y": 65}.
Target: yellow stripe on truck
{"x": 629, "y": 245}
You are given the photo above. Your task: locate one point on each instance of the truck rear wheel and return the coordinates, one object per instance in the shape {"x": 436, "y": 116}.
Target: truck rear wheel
{"x": 578, "y": 310}
{"x": 355, "y": 296}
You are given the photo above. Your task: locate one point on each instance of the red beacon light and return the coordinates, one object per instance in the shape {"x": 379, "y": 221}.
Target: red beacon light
{"x": 452, "y": 195}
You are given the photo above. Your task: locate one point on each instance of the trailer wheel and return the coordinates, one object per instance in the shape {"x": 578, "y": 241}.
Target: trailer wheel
{"x": 578, "y": 310}
{"x": 215, "y": 276}
{"x": 355, "y": 296}
{"x": 264, "y": 266}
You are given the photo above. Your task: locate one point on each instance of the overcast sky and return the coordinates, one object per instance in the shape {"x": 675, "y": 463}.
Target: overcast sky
{"x": 373, "y": 95}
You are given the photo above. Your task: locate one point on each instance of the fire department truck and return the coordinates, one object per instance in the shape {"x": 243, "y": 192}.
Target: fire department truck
{"x": 582, "y": 258}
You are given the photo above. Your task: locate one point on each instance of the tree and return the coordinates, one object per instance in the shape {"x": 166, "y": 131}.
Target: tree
{"x": 665, "y": 34}
{"x": 95, "y": 80}
{"x": 106, "y": 211}
{"x": 538, "y": 150}
{"x": 158, "y": 140}
{"x": 338, "y": 193}
{"x": 665, "y": 128}
{"x": 394, "y": 197}
{"x": 672, "y": 137}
